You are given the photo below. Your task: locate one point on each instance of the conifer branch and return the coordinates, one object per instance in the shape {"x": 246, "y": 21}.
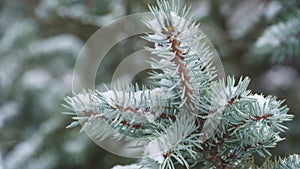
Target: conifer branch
{"x": 281, "y": 40}
{"x": 189, "y": 118}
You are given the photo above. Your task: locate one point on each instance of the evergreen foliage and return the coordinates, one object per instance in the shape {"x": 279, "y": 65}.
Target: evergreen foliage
{"x": 177, "y": 114}
{"x": 280, "y": 40}
{"x": 39, "y": 44}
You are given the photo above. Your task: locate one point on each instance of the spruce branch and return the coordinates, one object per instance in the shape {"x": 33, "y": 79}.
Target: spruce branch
{"x": 281, "y": 40}
{"x": 189, "y": 118}
{"x": 184, "y": 60}
{"x": 167, "y": 145}
{"x": 289, "y": 162}
{"x": 132, "y": 113}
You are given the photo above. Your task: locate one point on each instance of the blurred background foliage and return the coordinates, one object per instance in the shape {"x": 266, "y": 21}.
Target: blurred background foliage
{"x": 41, "y": 39}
